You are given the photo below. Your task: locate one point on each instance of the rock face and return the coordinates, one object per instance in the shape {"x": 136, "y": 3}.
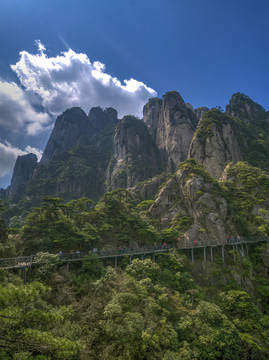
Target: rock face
{"x": 146, "y": 190}
{"x": 189, "y": 202}
{"x": 70, "y": 129}
{"x": 215, "y": 142}
{"x": 100, "y": 119}
{"x": 76, "y": 157}
{"x": 244, "y": 108}
{"x": 171, "y": 124}
{"x": 199, "y": 112}
{"x": 23, "y": 172}
{"x": 135, "y": 156}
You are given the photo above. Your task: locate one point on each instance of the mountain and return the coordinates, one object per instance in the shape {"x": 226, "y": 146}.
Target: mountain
{"x": 176, "y": 157}
{"x": 23, "y": 172}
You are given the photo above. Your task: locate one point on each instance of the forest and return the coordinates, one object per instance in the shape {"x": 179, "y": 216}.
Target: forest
{"x": 169, "y": 309}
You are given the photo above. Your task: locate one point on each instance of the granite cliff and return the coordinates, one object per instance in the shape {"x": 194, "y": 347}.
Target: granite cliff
{"x": 135, "y": 155}
{"x": 171, "y": 124}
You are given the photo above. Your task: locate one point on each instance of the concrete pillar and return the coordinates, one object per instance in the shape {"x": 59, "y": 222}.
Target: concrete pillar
{"x": 67, "y": 266}
{"x": 242, "y": 249}
{"x": 153, "y": 257}
{"x": 142, "y": 257}
{"x": 192, "y": 255}
{"x": 222, "y": 252}
{"x": 246, "y": 249}
{"x": 116, "y": 262}
{"x": 211, "y": 254}
{"x": 130, "y": 259}
{"x": 204, "y": 254}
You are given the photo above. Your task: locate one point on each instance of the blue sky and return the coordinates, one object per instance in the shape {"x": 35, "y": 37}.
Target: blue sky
{"x": 206, "y": 50}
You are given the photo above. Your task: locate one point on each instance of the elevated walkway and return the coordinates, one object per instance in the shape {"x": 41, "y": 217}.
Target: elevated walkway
{"x": 239, "y": 245}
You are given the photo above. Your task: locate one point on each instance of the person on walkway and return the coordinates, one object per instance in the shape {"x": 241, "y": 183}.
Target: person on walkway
{"x": 78, "y": 254}
{"x": 60, "y": 254}
{"x": 195, "y": 243}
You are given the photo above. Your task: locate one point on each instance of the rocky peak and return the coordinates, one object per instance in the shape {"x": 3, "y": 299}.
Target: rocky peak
{"x": 244, "y": 108}
{"x": 172, "y": 125}
{"x": 23, "y": 172}
{"x": 135, "y": 155}
{"x": 216, "y": 142}
{"x": 152, "y": 115}
{"x": 100, "y": 118}
{"x": 71, "y": 128}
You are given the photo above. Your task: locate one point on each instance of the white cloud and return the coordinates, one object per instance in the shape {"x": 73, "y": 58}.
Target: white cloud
{"x": 35, "y": 151}
{"x": 70, "y": 79}
{"x": 16, "y": 111}
{"x": 9, "y": 154}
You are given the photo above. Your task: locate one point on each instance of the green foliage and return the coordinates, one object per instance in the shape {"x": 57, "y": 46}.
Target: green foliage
{"x": 46, "y": 264}
{"x": 30, "y": 328}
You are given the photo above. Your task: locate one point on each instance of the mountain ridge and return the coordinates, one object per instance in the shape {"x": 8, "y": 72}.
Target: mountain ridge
{"x": 88, "y": 155}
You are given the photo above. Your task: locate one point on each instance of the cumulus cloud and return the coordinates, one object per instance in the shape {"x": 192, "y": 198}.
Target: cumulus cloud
{"x": 70, "y": 79}
{"x": 9, "y": 154}
{"x": 17, "y": 112}
{"x": 35, "y": 151}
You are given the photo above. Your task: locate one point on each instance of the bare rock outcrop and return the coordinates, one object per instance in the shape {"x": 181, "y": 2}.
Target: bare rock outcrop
{"x": 70, "y": 129}
{"x": 199, "y": 112}
{"x": 23, "y": 172}
{"x": 135, "y": 155}
{"x": 216, "y": 142}
{"x": 171, "y": 124}
{"x": 191, "y": 203}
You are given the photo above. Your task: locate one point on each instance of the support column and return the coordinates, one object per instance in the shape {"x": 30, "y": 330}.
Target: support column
{"x": 246, "y": 249}
{"x": 116, "y": 262}
{"x": 234, "y": 249}
{"x": 142, "y": 257}
{"x": 204, "y": 254}
{"x": 153, "y": 257}
{"x": 211, "y": 254}
{"x": 130, "y": 259}
{"x": 242, "y": 250}
{"x": 222, "y": 252}
{"x": 267, "y": 246}
{"x": 192, "y": 255}
{"x": 67, "y": 266}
